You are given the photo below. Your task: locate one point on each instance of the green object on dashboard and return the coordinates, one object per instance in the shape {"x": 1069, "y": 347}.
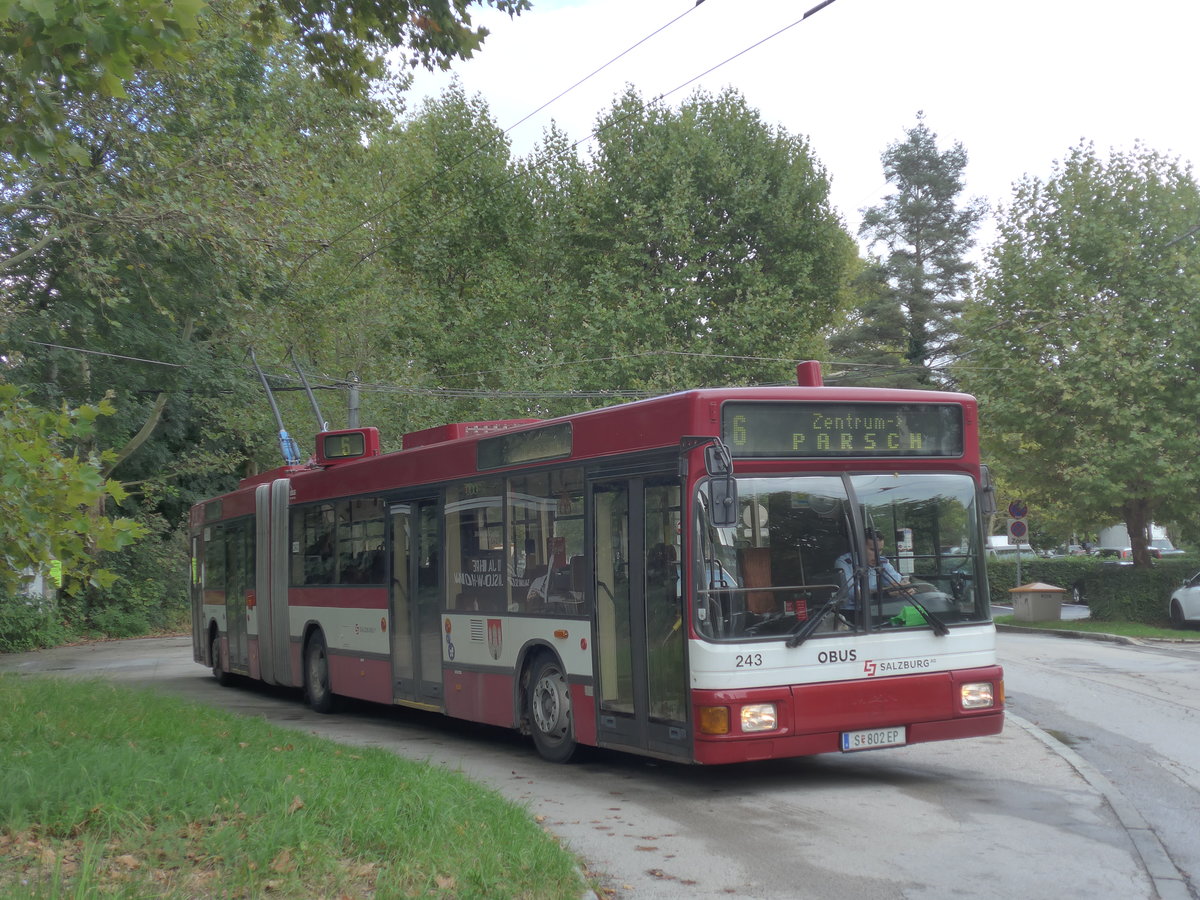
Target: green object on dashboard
{"x": 910, "y": 615}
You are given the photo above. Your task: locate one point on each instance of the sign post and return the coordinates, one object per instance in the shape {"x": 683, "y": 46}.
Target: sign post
{"x": 1017, "y": 528}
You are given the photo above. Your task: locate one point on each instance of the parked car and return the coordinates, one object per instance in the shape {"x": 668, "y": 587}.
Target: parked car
{"x": 1165, "y": 548}
{"x": 1184, "y": 608}
{"x": 1125, "y": 554}
{"x": 1009, "y": 553}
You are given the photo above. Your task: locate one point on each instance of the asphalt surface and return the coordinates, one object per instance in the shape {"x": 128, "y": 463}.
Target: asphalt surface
{"x": 1039, "y": 821}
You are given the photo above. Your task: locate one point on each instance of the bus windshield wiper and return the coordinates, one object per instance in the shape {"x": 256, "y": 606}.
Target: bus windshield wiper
{"x": 804, "y": 630}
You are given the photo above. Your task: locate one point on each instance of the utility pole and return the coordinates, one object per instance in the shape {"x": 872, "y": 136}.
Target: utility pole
{"x": 352, "y": 414}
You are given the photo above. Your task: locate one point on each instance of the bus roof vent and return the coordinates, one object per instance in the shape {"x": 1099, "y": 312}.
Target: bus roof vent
{"x": 808, "y": 374}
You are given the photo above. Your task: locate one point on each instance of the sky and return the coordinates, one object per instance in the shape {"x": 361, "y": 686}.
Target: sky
{"x": 1017, "y": 83}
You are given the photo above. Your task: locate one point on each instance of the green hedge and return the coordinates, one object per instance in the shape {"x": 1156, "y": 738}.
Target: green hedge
{"x": 1113, "y": 593}
{"x": 29, "y": 623}
{"x": 1064, "y": 571}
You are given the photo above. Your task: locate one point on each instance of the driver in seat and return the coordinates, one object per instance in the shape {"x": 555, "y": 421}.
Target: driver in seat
{"x": 879, "y": 568}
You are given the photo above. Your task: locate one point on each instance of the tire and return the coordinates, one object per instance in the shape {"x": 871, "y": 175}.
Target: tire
{"x": 317, "y": 693}
{"x": 1177, "y": 620}
{"x": 548, "y": 699}
{"x": 224, "y": 679}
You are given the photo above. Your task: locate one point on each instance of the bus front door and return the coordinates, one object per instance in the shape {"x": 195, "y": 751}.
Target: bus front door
{"x": 640, "y": 641}
{"x": 416, "y": 592}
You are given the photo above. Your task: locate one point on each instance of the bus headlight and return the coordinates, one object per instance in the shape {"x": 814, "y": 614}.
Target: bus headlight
{"x": 977, "y": 695}
{"x": 759, "y": 717}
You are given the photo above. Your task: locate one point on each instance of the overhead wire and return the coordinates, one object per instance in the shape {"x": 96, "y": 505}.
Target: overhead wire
{"x": 724, "y": 62}
{"x": 153, "y": 362}
{"x": 595, "y": 72}
{"x": 335, "y": 383}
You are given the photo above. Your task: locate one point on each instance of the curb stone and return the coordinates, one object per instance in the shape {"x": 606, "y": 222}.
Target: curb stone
{"x": 1169, "y": 882}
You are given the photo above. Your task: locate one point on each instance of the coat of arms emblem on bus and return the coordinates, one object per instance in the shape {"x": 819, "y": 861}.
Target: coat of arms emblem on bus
{"x": 495, "y": 637}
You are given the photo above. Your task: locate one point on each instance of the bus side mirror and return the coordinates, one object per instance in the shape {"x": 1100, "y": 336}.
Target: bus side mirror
{"x": 988, "y": 491}
{"x": 723, "y": 494}
{"x": 722, "y": 489}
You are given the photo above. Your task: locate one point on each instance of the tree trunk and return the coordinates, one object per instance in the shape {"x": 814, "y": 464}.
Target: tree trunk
{"x": 1137, "y": 523}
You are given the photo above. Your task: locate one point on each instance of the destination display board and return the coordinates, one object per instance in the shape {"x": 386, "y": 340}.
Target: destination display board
{"x": 820, "y": 430}
{"x": 551, "y": 442}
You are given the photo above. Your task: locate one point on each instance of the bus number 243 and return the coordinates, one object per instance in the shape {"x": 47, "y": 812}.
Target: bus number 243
{"x": 748, "y": 660}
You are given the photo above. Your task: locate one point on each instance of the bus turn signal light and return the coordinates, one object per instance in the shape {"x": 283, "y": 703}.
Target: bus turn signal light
{"x": 714, "y": 720}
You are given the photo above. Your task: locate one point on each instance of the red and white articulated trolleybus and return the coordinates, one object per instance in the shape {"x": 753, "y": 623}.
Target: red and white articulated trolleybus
{"x": 690, "y": 577}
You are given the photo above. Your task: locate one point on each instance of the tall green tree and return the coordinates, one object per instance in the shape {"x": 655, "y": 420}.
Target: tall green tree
{"x": 1085, "y": 343}
{"x": 704, "y": 248}
{"x": 922, "y": 233}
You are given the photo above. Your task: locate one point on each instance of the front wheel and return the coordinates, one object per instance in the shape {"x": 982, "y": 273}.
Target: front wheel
{"x": 549, "y": 701}
{"x": 1177, "y": 620}
{"x": 316, "y": 675}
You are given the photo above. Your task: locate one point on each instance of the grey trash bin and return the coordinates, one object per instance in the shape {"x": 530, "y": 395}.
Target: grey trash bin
{"x": 1037, "y": 602}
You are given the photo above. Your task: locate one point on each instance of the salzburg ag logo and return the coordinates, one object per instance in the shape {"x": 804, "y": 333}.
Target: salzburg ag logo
{"x": 896, "y": 666}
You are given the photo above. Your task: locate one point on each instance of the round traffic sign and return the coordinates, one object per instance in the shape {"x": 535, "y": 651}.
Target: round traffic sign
{"x": 1017, "y": 509}
{"x": 1017, "y": 529}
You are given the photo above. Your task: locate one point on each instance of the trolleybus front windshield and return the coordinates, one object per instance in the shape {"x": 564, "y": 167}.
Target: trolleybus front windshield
{"x": 798, "y": 550}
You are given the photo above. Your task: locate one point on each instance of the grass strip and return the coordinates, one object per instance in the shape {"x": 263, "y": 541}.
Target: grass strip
{"x": 106, "y": 791}
{"x": 1091, "y": 626}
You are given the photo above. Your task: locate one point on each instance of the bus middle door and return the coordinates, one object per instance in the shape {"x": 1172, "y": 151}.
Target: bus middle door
{"x": 416, "y": 599}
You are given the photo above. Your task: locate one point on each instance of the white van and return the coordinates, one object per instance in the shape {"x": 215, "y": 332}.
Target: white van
{"x": 998, "y": 547}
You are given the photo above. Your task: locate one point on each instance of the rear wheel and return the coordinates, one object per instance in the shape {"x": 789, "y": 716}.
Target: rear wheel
{"x": 549, "y": 701}
{"x": 214, "y": 650}
{"x": 316, "y": 674}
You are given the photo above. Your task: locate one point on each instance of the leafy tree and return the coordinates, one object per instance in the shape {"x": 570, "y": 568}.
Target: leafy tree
{"x": 55, "y": 53}
{"x": 909, "y": 319}
{"x": 424, "y": 278}
{"x": 1086, "y": 345}
{"x": 162, "y": 257}
{"x": 690, "y": 246}
{"x": 703, "y": 249}
{"x": 49, "y": 492}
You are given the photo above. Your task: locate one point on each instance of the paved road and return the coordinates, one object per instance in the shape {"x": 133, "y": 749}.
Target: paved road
{"x": 1132, "y": 710}
{"x": 1011, "y": 815}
